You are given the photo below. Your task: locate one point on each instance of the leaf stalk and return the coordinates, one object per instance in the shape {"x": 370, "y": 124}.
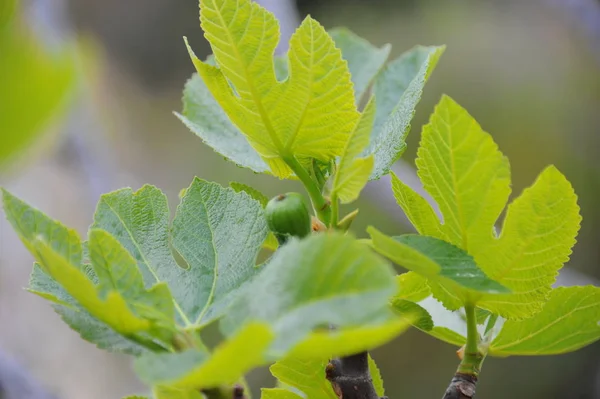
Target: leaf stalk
{"x": 321, "y": 205}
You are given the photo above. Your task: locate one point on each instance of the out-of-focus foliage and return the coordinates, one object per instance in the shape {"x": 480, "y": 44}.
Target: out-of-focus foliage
{"x": 35, "y": 84}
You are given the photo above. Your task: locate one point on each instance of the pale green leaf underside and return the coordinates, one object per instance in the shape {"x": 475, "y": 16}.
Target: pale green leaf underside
{"x": 364, "y": 59}
{"x": 453, "y": 269}
{"x": 205, "y": 118}
{"x": 196, "y": 369}
{"x": 326, "y": 278}
{"x": 353, "y": 172}
{"x": 217, "y": 262}
{"x": 309, "y": 115}
{"x": 428, "y": 315}
{"x": 569, "y": 321}
{"x": 398, "y": 89}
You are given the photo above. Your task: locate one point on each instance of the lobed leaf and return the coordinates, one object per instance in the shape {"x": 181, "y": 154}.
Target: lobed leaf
{"x": 316, "y": 281}
{"x": 569, "y": 321}
{"x": 58, "y": 252}
{"x": 217, "y": 262}
{"x": 465, "y": 173}
{"x": 536, "y": 240}
{"x": 463, "y": 170}
{"x": 309, "y": 115}
{"x": 398, "y": 89}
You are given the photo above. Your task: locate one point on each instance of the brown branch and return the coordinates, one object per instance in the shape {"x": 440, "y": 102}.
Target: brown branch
{"x": 350, "y": 377}
{"x": 462, "y": 386}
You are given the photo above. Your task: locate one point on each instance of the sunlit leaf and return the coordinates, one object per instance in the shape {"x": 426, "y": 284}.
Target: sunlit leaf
{"x": 353, "y": 172}
{"x": 309, "y": 115}
{"x": 465, "y": 173}
{"x": 569, "y": 321}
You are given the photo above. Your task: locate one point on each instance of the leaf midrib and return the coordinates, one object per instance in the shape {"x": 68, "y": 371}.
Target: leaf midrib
{"x": 263, "y": 114}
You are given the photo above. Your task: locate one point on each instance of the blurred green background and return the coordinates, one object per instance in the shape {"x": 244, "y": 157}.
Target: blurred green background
{"x": 87, "y": 90}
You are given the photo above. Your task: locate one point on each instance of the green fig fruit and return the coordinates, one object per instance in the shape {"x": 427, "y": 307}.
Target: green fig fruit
{"x": 288, "y": 216}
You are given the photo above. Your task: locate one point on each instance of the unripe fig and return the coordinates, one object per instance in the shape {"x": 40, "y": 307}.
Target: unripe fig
{"x": 288, "y": 216}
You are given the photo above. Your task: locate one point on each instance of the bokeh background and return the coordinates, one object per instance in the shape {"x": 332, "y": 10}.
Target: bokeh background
{"x": 528, "y": 70}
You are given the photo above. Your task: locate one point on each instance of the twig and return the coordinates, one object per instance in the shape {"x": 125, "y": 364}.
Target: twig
{"x": 350, "y": 377}
{"x": 462, "y": 386}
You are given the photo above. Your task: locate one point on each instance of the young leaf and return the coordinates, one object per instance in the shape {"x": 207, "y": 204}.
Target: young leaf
{"x": 112, "y": 309}
{"x": 205, "y": 118}
{"x": 307, "y": 376}
{"x": 252, "y": 192}
{"x": 568, "y": 321}
{"x": 79, "y": 319}
{"x": 417, "y": 210}
{"x": 353, "y": 172}
{"x": 197, "y": 369}
{"x": 217, "y": 261}
{"x": 98, "y": 333}
{"x": 398, "y": 89}
{"x": 313, "y": 282}
{"x": 452, "y": 268}
{"x": 118, "y": 271}
{"x": 309, "y": 115}
{"x": 536, "y": 240}
{"x": 58, "y": 251}
{"x": 376, "y": 377}
{"x": 364, "y": 59}
{"x": 462, "y": 169}
{"x": 31, "y": 224}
